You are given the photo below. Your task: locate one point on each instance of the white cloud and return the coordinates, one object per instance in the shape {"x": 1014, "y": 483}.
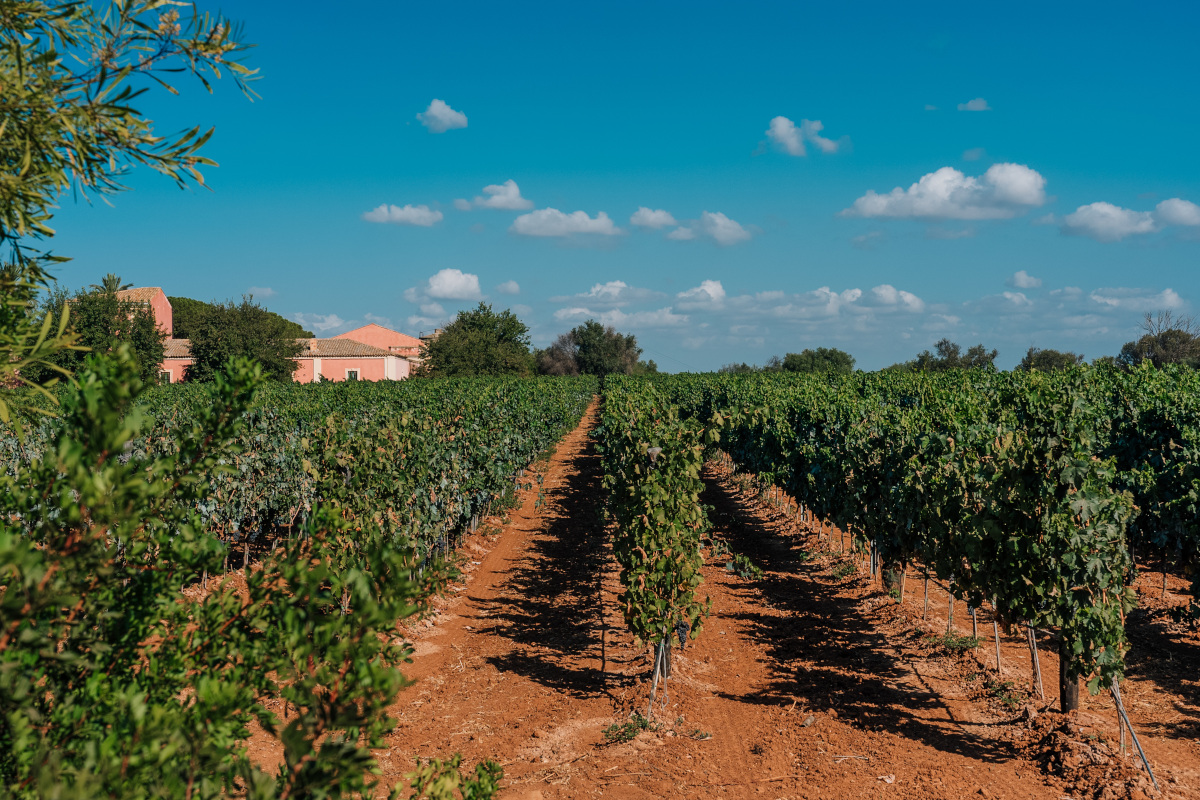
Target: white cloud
{"x": 1005, "y": 190}
{"x": 811, "y": 131}
{"x": 889, "y": 295}
{"x": 651, "y": 218}
{"x": 1023, "y": 280}
{"x": 509, "y": 287}
{"x": 723, "y": 229}
{"x": 929, "y": 107}
{"x": 974, "y": 154}
{"x": 1137, "y": 299}
{"x": 709, "y": 294}
{"x": 978, "y": 104}
{"x": 505, "y": 196}
{"x": 790, "y": 138}
{"x": 321, "y": 323}
{"x": 1177, "y": 212}
{"x": 439, "y": 117}
{"x": 1017, "y": 298}
{"x": 421, "y": 215}
{"x": 432, "y": 309}
{"x": 462, "y": 204}
{"x": 453, "y": 284}
{"x": 1107, "y": 223}
{"x": 682, "y": 234}
{"x": 262, "y": 292}
{"x": 786, "y": 136}
{"x": 660, "y": 318}
{"x": 610, "y": 295}
{"x": 552, "y": 222}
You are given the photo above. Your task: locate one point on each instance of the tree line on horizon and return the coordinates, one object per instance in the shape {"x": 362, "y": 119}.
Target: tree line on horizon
{"x": 486, "y": 342}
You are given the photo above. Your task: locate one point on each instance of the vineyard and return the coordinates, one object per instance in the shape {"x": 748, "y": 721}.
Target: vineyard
{"x": 211, "y": 590}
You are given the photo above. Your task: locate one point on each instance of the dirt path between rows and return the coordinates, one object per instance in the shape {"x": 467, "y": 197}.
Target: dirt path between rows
{"x": 802, "y": 684}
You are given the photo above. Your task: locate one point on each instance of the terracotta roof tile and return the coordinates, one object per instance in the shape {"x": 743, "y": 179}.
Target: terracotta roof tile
{"x": 340, "y": 348}
{"x": 142, "y": 294}
{"x": 313, "y": 348}
{"x": 177, "y": 348}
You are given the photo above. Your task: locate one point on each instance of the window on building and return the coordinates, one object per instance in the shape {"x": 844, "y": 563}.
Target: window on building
{"x": 164, "y": 376}
{"x": 351, "y": 374}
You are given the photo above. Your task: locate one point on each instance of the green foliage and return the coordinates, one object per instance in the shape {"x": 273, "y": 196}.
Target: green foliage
{"x": 116, "y": 678}
{"x": 480, "y": 342}
{"x": 652, "y": 461}
{"x": 242, "y": 330}
{"x": 101, "y": 322}
{"x": 823, "y": 359}
{"x": 1019, "y": 487}
{"x": 620, "y": 732}
{"x": 950, "y": 356}
{"x": 72, "y": 73}
{"x": 954, "y": 642}
{"x": 743, "y": 567}
{"x": 443, "y": 780}
{"x": 1167, "y": 339}
{"x": 1046, "y": 360}
{"x": 188, "y": 315}
{"x": 593, "y": 349}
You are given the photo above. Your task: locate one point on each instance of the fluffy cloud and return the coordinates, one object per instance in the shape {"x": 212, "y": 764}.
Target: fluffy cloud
{"x": 422, "y": 216}
{"x": 462, "y": 204}
{"x": 439, "y": 117}
{"x": 321, "y": 323}
{"x": 447, "y": 284}
{"x": 889, "y": 295}
{"x": 1107, "y": 223}
{"x": 978, "y": 104}
{"x": 552, "y": 222}
{"x": 790, "y": 138}
{"x": 974, "y": 154}
{"x": 682, "y": 234}
{"x": 262, "y": 292}
{"x": 709, "y": 294}
{"x": 1023, "y": 280}
{"x": 659, "y": 318}
{"x": 650, "y": 218}
{"x": 722, "y": 229}
{"x": 1017, "y": 298}
{"x": 505, "y": 196}
{"x": 610, "y": 295}
{"x": 1177, "y": 212}
{"x": 1005, "y": 190}
{"x": 454, "y": 284}
{"x": 432, "y": 309}
{"x": 509, "y": 287}
{"x": 1137, "y": 299}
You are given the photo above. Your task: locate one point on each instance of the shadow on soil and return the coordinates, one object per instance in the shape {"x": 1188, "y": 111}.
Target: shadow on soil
{"x": 551, "y": 603}
{"x": 826, "y": 652}
{"x": 1161, "y": 653}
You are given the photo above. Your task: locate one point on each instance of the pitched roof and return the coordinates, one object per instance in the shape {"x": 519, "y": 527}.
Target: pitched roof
{"x": 313, "y": 348}
{"x": 396, "y": 338}
{"x": 177, "y": 348}
{"x": 340, "y": 348}
{"x": 143, "y": 294}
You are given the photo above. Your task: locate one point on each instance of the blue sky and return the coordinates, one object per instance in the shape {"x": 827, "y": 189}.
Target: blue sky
{"x": 872, "y": 177}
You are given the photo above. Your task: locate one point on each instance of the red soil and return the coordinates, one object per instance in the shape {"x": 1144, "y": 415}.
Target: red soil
{"x": 801, "y": 685}
{"x": 810, "y": 686}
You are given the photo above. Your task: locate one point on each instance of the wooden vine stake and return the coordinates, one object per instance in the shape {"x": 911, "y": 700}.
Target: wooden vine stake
{"x": 996, "y": 635}
{"x": 1031, "y": 632}
{"x": 1116, "y": 694}
{"x": 925, "y": 613}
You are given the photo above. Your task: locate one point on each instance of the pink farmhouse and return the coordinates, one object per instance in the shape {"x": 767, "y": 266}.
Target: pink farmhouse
{"x": 369, "y": 353}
